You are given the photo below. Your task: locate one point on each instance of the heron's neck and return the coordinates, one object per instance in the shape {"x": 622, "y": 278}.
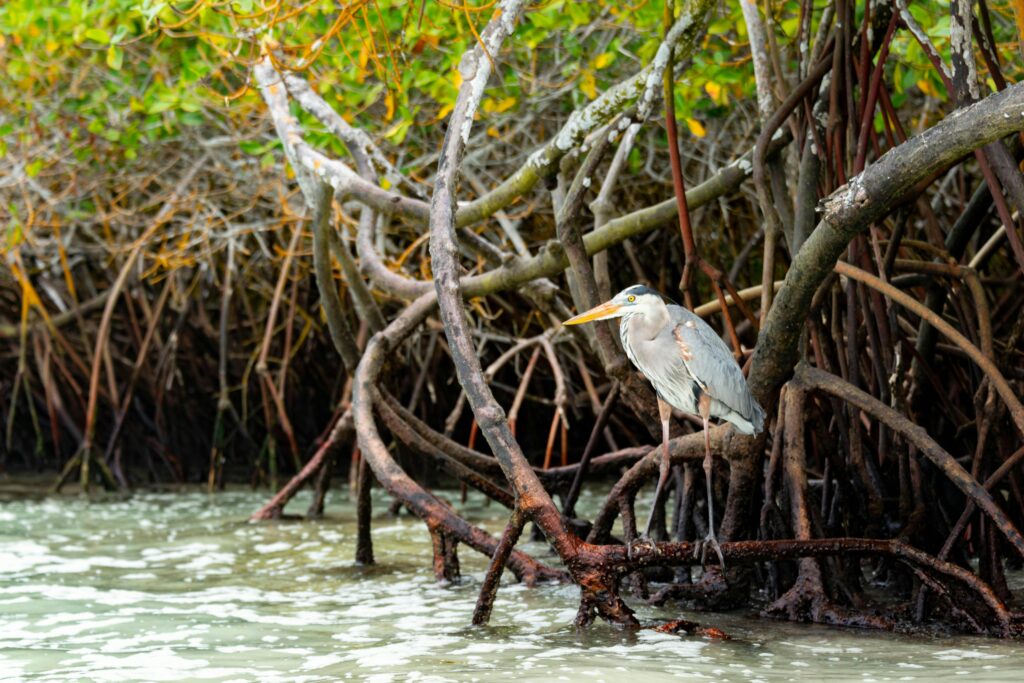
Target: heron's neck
{"x": 648, "y": 323}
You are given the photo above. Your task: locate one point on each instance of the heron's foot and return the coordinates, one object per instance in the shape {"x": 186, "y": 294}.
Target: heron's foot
{"x": 640, "y": 546}
{"x": 710, "y": 542}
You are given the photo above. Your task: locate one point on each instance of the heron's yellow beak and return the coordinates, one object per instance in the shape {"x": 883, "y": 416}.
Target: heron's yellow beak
{"x": 602, "y": 312}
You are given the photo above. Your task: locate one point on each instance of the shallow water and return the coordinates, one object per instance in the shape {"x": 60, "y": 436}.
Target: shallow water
{"x": 179, "y": 586}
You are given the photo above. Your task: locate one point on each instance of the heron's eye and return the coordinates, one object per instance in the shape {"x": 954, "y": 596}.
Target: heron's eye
{"x": 630, "y": 298}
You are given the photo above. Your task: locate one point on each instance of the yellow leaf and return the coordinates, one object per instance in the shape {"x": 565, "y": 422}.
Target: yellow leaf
{"x": 696, "y": 127}
{"x": 445, "y": 110}
{"x": 927, "y": 88}
{"x": 603, "y": 60}
{"x": 456, "y": 78}
{"x": 397, "y": 132}
{"x": 715, "y": 91}
{"x": 505, "y": 104}
{"x": 389, "y": 103}
{"x": 385, "y": 183}
{"x": 588, "y": 84}
{"x": 493, "y": 132}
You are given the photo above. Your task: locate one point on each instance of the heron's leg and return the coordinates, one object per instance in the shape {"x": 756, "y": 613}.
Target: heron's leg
{"x": 665, "y": 413}
{"x": 704, "y": 405}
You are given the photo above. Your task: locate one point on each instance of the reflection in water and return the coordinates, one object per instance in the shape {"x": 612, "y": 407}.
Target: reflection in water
{"x": 180, "y": 587}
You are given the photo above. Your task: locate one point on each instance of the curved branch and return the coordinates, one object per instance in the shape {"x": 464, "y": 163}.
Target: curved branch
{"x": 428, "y": 508}
{"x": 404, "y": 433}
{"x": 531, "y": 497}
{"x": 274, "y": 508}
{"x": 552, "y": 259}
{"x": 337, "y": 324}
{"x": 360, "y": 146}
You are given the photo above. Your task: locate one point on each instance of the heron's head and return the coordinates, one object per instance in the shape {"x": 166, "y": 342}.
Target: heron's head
{"x": 634, "y": 300}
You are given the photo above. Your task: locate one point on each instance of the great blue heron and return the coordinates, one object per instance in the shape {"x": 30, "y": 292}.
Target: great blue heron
{"x": 691, "y": 369}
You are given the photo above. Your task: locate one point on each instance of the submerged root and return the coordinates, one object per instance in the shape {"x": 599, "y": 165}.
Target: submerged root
{"x": 599, "y": 596}
{"x": 692, "y": 628}
{"x": 713, "y": 591}
{"x": 807, "y": 601}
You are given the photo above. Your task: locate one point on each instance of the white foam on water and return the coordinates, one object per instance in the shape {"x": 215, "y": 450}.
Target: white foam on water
{"x": 955, "y": 655}
{"x": 171, "y": 587}
{"x": 400, "y": 652}
{"x": 321, "y": 662}
{"x": 265, "y": 548}
{"x": 155, "y": 665}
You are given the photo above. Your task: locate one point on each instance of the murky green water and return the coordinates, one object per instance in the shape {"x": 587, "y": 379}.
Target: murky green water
{"x": 180, "y": 587}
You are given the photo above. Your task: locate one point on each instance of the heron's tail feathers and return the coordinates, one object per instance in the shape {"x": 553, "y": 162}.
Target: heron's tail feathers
{"x": 751, "y": 425}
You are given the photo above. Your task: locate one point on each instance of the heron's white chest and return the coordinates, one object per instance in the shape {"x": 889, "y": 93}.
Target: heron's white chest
{"x": 659, "y": 359}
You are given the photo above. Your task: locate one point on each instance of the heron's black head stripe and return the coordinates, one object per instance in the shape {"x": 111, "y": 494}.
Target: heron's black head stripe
{"x": 638, "y": 290}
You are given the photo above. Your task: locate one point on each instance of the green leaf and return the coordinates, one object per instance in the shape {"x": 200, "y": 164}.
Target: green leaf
{"x": 398, "y": 131}
{"x": 34, "y": 167}
{"x": 579, "y": 13}
{"x": 97, "y": 35}
{"x": 151, "y": 9}
{"x": 254, "y": 147}
{"x": 161, "y": 102}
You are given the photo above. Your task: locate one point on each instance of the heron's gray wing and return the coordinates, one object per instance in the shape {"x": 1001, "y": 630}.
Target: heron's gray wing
{"x": 711, "y": 363}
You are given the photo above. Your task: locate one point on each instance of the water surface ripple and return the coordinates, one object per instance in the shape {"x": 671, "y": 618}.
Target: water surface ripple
{"x": 178, "y": 586}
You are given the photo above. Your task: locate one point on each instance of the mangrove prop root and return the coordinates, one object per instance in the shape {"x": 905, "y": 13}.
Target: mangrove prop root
{"x": 489, "y": 587}
{"x": 341, "y": 432}
{"x": 364, "y": 514}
